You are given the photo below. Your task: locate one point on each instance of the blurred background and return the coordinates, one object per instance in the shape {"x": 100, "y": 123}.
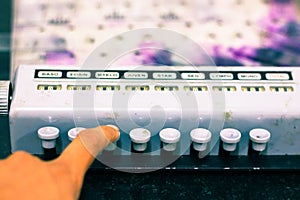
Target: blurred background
{"x": 232, "y": 32}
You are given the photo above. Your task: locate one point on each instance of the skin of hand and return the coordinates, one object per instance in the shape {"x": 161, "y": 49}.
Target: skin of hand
{"x": 23, "y": 176}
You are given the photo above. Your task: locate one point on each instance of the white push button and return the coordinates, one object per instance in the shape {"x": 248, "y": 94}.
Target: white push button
{"x": 200, "y": 137}
{"x": 140, "y": 137}
{"x": 72, "y": 133}
{"x": 112, "y": 146}
{"x": 170, "y": 137}
{"x": 259, "y": 138}
{"x": 48, "y": 136}
{"x": 230, "y": 138}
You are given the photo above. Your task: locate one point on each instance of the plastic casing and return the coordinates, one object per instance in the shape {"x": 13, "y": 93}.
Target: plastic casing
{"x": 276, "y": 111}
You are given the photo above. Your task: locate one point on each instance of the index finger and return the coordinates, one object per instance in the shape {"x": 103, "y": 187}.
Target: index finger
{"x": 82, "y": 151}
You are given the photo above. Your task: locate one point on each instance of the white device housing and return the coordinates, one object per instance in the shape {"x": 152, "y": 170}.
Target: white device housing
{"x": 158, "y": 97}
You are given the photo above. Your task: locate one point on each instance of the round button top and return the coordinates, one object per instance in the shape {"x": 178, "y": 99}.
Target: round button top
{"x": 117, "y": 129}
{"x": 140, "y": 135}
{"x": 169, "y": 135}
{"x": 200, "y": 135}
{"x": 230, "y": 135}
{"x": 48, "y": 133}
{"x": 260, "y": 135}
{"x": 72, "y": 133}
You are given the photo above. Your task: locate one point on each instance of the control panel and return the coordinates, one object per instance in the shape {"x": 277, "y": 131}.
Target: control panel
{"x": 159, "y": 109}
{"x": 188, "y": 114}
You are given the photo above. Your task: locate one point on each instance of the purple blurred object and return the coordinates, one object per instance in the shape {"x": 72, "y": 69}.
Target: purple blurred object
{"x": 163, "y": 57}
{"x": 281, "y": 13}
{"x": 63, "y": 57}
{"x": 153, "y": 53}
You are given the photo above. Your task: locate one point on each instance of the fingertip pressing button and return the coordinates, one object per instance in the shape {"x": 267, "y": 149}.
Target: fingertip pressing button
{"x": 113, "y": 145}
{"x": 117, "y": 129}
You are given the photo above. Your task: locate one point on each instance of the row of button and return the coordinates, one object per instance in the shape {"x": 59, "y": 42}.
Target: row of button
{"x": 49, "y": 134}
{"x": 200, "y": 137}
{"x": 164, "y": 75}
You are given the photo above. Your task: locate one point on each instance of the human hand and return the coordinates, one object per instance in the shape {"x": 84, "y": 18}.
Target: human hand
{"x": 23, "y": 176}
